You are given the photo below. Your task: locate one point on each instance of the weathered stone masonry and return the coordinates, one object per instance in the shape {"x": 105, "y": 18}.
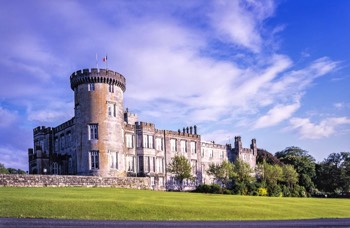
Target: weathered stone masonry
{"x": 12, "y": 180}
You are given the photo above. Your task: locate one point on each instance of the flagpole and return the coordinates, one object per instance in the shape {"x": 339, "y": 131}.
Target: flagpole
{"x": 96, "y": 62}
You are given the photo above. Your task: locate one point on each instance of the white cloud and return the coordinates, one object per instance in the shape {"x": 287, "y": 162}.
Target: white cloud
{"x": 52, "y": 112}
{"x": 7, "y": 117}
{"x": 240, "y": 22}
{"x": 276, "y": 115}
{"x": 14, "y": 158}
{"x": 326, "y": 128}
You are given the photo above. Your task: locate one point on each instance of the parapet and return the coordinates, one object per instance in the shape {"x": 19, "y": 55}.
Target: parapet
{"x": 41, "y": 129}
{"x": 97, "y": 76}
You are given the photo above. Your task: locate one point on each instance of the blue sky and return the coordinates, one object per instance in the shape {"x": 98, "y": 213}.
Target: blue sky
{"x": 277, "y": 71}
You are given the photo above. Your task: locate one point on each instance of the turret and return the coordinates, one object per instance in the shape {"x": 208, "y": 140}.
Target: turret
{"x": 99, "y": 115}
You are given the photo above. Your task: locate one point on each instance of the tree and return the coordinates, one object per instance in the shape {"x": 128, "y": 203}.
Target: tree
{"x": 333, "y": 174}
{"x": 264, "y": 155}
{"x": 242, "y": 177}
{"x": 3, "y": 170}
{"x": 302, "y": 162}
{"x": 181, "y": 167}
{"x": 290, "y": 175}
{"x": 222, "y": 172}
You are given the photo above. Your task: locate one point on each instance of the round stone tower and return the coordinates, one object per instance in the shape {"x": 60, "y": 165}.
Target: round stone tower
{"x": 99, "y": 118}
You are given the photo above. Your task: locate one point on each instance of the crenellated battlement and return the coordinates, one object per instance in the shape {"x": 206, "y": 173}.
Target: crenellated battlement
{"x": 64, "y": 125}
{"x": 179, "y": 133}
{"x": 213, "y": 145}
{"x": 145, "y": 125}
{"x": 97, "y": 76}
{"x": 42, "y": 129}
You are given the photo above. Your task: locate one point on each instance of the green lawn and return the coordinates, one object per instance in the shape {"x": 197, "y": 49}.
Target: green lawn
{"x": 126, "y": 204}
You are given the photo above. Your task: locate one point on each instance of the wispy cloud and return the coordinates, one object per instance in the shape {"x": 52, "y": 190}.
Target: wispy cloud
{"x": 276, "y": 115}
{"x": 325, "y": 128}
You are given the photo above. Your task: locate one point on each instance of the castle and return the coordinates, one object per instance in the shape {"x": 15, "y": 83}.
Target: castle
{"x": 104, "y": 139}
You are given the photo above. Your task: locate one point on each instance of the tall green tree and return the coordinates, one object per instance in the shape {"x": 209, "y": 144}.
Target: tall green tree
{"x": 333, "y": 174}
{"x": 3, "y": 169}
{"x": 242, "y": 177}
{"x": 222, "y": 172}
{"x": 181, "y": 168}
{"x": 302, "y": 162}
{"x": 290, "y": 176}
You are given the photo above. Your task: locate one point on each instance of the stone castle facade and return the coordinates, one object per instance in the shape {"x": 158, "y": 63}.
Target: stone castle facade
{"x": 104, "y": 139}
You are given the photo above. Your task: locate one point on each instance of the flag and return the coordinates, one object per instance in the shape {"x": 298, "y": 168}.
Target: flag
{"x": 104, "y": 59}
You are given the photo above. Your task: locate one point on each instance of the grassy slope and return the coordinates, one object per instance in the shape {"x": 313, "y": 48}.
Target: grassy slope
{"x": 126, "y": 204}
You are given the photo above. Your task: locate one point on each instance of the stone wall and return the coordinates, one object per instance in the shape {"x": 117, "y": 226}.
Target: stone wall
{"x": 13, "y": 180}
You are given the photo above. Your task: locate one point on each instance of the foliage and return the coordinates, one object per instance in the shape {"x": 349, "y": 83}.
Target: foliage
{"x": 302, "y": 162}
{"x": 3, "y": 170}
{"x": 333, "y": 174}
{"x": 264, "y": 155}
{"x": 290, "y": 175}
{"x": 242, "y": 177}
{"x": 222, "y": 172}
{"x": 181, "y": 167}
{"x": 213, "y": 188}
{"x": 262, "y": 191}
{"x": 132, "y": 204}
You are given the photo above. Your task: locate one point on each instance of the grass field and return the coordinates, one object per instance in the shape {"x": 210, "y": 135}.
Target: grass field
{"x": 126, "y": 204}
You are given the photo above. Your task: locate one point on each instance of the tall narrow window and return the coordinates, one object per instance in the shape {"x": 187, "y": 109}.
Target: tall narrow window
{"x": 113, "y": 160}
{"x": 129, "y": 141}
{"x": 111, "y": 109}
{"x": 150, "y": 141}
{"x": 111, "y": 88}
{"x": 173, "y": 145}
{"x": 93, "y": 131}
{"x": 141, "y": 168}
{"x": 159, "y": 143}
{"x": 91, "y": 87}
{"x": 55, "y": 168}
{"x": 193, "y": 147}
{"x": 145, "y": 141}
{"x": 183, "y": 146}
{"x": 94, "y": 160}
{"x": 130, "y": 163}
{"x": 139, "y": 141}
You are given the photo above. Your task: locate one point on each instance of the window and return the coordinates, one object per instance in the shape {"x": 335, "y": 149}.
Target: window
{"x": 94, "y": 159}
{"x": 111, "y": 109}
{"x": 56, "y": 144}
{"x": 130, "y": 163}
{"x": 160, "y": 165}
{"x": 203, "y": 154}
{"x": 193, "y": 147}
{"x": 222, "y": 154}
{"x": 111, "y": 88}
{"x": 145, "y": 141}
{"x": 147, "y": 163}
{"x": 159, "y": 143}
{"x": 129, "y": 141}
{"x": 69, "y": 139}
{"x": 194, "y": 166}
{"x": 160, "y": 181}
{"x": 55, "y": 168}
{"x": 183, "y": 146}
{"x": 93, "y": 131}
{"x": 211, "y": 153}
{"x": 173, "y": 145}
{"x": 113, "y": 160}
{"x": 141, "y": 168}
{"x": 152, "y": 181}
{"x": 150, "y": 141}
{"x": 139, "y": 141}
{"x": 62, "y": 141}
{"x": 91, "y": 87}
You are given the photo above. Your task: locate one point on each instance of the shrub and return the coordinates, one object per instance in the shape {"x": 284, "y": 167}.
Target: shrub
{"x": 262, "y": 191}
